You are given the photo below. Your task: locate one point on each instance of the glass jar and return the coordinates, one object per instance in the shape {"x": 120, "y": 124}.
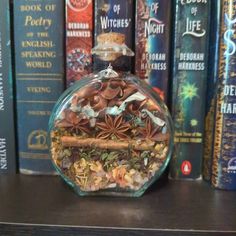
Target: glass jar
{"x": 110, "y": 134}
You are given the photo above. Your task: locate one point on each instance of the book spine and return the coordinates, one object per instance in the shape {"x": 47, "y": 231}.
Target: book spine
{"x": 79, "y": 39}
{"x": 39, "y": 68}
{"x": 7, "y": 127}
{"x": 152, "y": 43}
{"x": 189, "y": 87}
{"x": 114, "y": 16}
{"x": 224, "y": 154}
{"x": 211, "y": 87}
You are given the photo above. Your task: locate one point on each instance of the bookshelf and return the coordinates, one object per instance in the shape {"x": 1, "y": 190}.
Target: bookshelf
{"x": 44, "y": 205}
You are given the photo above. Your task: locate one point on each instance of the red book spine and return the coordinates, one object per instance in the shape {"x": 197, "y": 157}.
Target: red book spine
{"x": 79, "y": 39}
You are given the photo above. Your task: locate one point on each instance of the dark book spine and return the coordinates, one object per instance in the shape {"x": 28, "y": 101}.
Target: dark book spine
{"x": 211, "y": 87}
{"x": 114, "y": 16}
{"x": 189, "y": 86}
{"x": 7, "y": 129}
{"x": 79, "y": 39}
{"x": 224, "y": 154}
{"x": 39, "y": 67}
{"x": 152, "y": 43}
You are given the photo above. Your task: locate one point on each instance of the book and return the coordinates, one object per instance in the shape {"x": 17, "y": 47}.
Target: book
{"x": 211, "y": 87}
{"x": 39, "y": 68}
{"x": 79, "y": 39}
{"x": 152, "y": 43}
{"x": 190, "y": 53}
{"x": 114, "y": 30}
{"x": 7, "y": 126}
{"x": 224, "y": 145}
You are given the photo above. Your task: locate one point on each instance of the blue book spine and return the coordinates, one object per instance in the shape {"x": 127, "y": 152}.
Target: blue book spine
{"x": 39, "y": 67}
{"x": 190, "y": 56}
{"x": 7, "y": 129}
{"x": 114, "y": 16}
{"x": 224, "y": 149}
{"x": 211, "y": 87}
{"x": 152, "y": 43}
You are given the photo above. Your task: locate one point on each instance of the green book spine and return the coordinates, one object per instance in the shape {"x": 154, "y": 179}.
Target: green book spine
{"x": 7, "y": 127}
{"x": 190, "y": 53}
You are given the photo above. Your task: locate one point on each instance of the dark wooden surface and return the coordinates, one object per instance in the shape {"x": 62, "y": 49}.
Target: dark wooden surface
{"x": 33, "y": 205}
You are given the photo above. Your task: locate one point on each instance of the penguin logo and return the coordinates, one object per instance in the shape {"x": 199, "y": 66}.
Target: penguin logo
{"x": 186, "y": 168}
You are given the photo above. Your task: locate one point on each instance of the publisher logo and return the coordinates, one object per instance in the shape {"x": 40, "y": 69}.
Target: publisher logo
{"x": 37, "y": 140}
{"x": 78, "y": 5}
{"x": 186, "y": 168}
{"x": 232, "y": 166}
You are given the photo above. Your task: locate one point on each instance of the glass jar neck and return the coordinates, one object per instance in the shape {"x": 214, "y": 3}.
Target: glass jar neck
{"x": 119, "y": 65}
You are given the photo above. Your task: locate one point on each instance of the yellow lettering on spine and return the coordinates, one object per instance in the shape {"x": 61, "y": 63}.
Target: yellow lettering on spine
{"x": 39, "y": 89}
{"x": 38, "y": 54}
{"x": 37, "y": 44}
{"x": 39, "y": 64}
{"x": 28, "y": 8}
{"x": 39, "y": 113}
{"x": 30, "y": 21}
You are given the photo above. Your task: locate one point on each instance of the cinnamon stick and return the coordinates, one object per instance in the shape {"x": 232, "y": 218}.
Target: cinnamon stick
{"x": 68, "y": 141}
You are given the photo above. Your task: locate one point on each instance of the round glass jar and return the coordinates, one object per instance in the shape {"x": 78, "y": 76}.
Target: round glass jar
{"x": 110, "y": 134}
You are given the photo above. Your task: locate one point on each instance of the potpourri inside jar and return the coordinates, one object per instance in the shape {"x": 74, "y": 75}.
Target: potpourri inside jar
{"x": 110, "y": 135}
{"x": 110, "y": 132}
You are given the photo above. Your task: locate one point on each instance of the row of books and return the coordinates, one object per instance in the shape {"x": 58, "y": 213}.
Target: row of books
{"x": 171, "y": 43}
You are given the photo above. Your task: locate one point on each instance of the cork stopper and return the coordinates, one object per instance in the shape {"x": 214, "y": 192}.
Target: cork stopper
{"x": 111, "y": 46}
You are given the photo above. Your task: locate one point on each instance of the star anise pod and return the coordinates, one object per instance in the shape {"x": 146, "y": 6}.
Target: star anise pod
{"x": 74, "y": 122}
{"x": 148, "y": 131}
{"x": 113, "y": 126}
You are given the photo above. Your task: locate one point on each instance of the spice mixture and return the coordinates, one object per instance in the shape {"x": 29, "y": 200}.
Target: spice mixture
{"x": 110, "y": 135}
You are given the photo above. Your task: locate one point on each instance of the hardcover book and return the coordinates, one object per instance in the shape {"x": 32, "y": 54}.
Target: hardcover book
{"x": 39, "y": 65}
{"x": 224, "y": 151}
{"x": 211, "y": 88}
{"x": 7, "y": 127}
{"x": 190, "y": 53}
{"x": 152, "y": 43}
{"x": 79, "y": 39}
{"x": 114, "y": 29}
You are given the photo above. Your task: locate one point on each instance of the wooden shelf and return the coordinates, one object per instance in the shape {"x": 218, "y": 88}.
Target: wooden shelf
{"x": 37, "y": 205}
